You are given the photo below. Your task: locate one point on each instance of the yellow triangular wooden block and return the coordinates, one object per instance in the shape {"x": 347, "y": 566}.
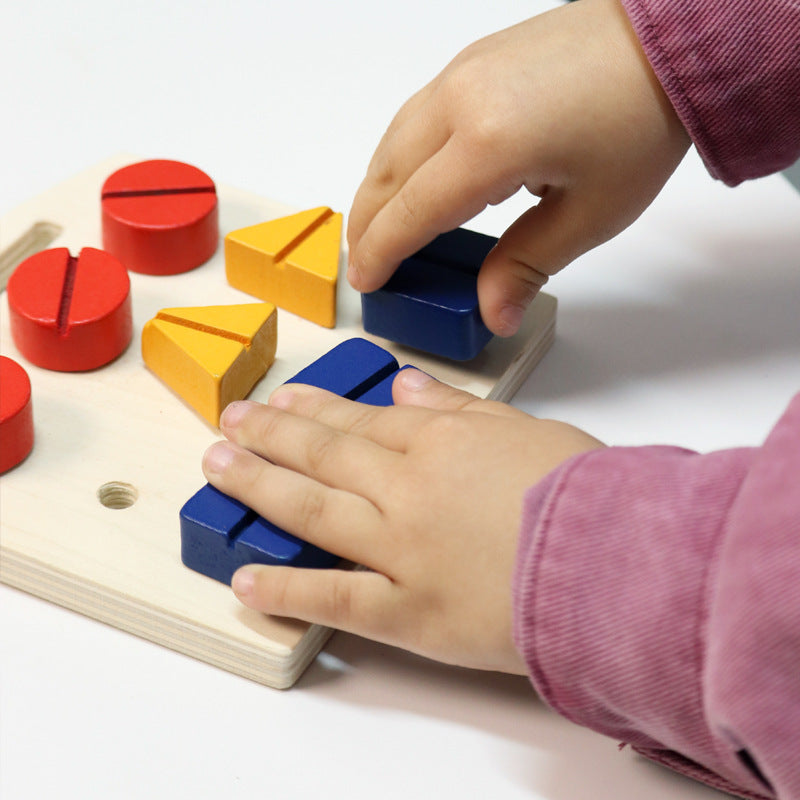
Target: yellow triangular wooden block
{"x": 292, "y": 261}
{"x": 242, "y": 322}
{"x": 211, "y": 355}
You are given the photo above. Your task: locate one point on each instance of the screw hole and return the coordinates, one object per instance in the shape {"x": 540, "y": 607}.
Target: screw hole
{"x": 116, "y": 495}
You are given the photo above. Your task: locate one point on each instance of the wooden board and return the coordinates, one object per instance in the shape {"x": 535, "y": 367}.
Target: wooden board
{"x": 117, "y": 434}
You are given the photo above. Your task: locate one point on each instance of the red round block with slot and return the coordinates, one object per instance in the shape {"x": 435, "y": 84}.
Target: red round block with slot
{"x": 16, "y": 414}
{"x": 160, "y": 217}
{"x": 70, "y": 313}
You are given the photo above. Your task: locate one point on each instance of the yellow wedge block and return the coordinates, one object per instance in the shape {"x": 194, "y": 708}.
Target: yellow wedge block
{"x": 211, "y": 355}
{"x": 292, "y": 262}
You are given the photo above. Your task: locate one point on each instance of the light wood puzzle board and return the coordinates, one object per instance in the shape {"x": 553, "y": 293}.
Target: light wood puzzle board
{"x": 121, "y": 425}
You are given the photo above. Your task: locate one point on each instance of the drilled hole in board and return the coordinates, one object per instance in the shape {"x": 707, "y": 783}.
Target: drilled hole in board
{"x": 116, "y": 494}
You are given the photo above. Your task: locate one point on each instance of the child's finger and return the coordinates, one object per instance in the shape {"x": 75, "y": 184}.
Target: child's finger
{"x": 412, "y": 387}
{"x": 415, "y": 134}
{"x": 540, "y": 243}
{"x": 359, "y": 602}
{"x": 407, "y": 112}
{"x": 388, "y": 427}
{"x": 308, "y": 446}
{"x": 339, "y": 521}
{"x": 450, "y": 188}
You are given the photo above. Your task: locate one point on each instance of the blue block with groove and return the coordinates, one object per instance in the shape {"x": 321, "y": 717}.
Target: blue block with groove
{"x": 219, "y": 534}
{"x": 350, "y": 369}
{"x": 381, "y": 393}
{"x": 431, "y": 301}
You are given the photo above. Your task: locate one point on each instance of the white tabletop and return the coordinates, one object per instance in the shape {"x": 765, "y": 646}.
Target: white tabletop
{"x": 683, "y": 330}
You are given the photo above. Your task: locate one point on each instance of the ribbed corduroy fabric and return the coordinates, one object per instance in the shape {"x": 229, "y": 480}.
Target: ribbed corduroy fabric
{"x": 656, "y": 590}
{"x": 657, "y": 600}
{"x": 731, "y": 69}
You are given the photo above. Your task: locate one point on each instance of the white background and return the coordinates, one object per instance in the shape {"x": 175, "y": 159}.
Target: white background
{"x": 682, "y": 330}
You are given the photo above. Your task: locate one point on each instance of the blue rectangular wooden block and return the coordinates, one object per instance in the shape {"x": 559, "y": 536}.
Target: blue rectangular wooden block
{"x": 219, "y": 534}
{"x": 459, "y": 249}
{"x": 431, "y": 301}
{"x": 349, "y": 369}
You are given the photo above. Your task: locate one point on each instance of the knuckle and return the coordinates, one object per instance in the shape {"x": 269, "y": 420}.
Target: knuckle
{"x": 309, "y": 403}
{"x": 465, "y": 73}
{"x": 529, "y": 279}
{"x": 485, "y": 131}
{"x": 381, "y": 172}
{"x": 520, "y": 261}
{"x": 311, "y": 512}
{"x": 361, "y": 421}
{"x": 341, "y": 600}
{"x": 409, "y": 212}
{"x": 320, "y": 450}
{"x": 442, "y": 429}
{"x": 269, "y": 425}
{"x": 250, "y": 478}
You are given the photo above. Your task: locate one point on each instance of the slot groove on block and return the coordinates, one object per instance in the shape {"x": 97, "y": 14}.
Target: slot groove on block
{"x": 62, "y": 323}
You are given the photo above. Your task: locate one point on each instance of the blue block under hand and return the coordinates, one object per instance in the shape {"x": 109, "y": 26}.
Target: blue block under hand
{"x": 431, "y": 301}
{"x": 350, "y": 369}
{"x": 381, "y": 393}
{"x": 219, "y": 534}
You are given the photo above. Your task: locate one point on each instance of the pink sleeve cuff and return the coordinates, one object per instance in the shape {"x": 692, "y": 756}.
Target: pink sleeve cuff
{"x": 618, "y": 548}
{"x": 731, "y": 70}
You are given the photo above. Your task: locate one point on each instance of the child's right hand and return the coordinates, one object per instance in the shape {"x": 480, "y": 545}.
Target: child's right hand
{"x": 564, "y": 104}
{"x": 427, "y": 494}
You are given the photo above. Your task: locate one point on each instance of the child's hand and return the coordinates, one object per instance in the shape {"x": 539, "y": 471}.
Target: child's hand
{"x": 428, "y": 499}
{"x": 565, "y": 105}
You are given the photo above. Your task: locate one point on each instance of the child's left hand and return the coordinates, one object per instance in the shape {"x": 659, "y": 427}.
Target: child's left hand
{"x": 426, "y": 494}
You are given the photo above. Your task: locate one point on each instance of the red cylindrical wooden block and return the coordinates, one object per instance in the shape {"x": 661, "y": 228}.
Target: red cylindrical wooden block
{"x": 70, "y": 314}
{"x": 16, "y": 414}
{"x": 160, "y": 217}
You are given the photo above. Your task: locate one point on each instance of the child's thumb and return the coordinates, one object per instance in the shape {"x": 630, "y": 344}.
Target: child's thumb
{"x": 540, "y": 243}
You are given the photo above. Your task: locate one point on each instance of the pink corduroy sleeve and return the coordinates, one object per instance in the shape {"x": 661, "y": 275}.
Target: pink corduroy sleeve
{"x": 731, "y": 69}
{"x": 657, "y": 601}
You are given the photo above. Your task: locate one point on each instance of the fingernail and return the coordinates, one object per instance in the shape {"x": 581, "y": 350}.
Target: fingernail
{"x": 353, "y": 277}
{"x": 281, "y": 397}
{"x": 511, "y": 319}
{"x": 243, "y": 581}
{"x": 217, "y": 458}
{"x": 233, "y": 413}
{"x": 414, "y": 379}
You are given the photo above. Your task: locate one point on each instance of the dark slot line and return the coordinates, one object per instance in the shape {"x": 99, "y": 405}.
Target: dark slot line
{"x": 198, "y": 326}
{"x": 62, "y": 324}
{"x": 371, "y": 381}
{"x": 159, "y": 192}
{"x": 236, "y": 531}
{"x": 303, "y": 235}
